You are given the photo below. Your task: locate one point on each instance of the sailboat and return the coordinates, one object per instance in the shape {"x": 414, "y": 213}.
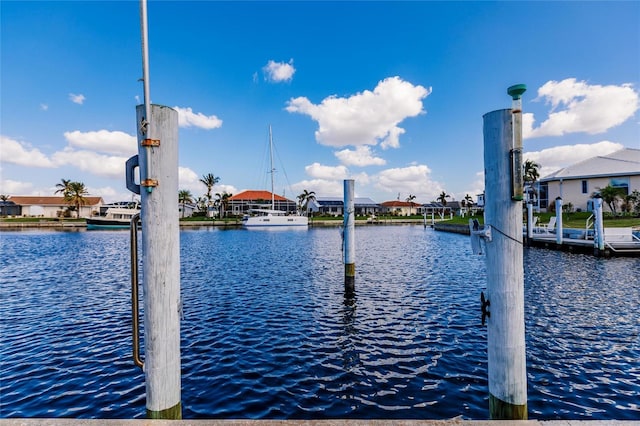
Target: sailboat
{"x": 272, "y": 217}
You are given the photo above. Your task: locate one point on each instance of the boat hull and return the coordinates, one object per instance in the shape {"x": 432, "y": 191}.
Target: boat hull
{"x": 274, "y": 221}
{"x": 108, "y": 224}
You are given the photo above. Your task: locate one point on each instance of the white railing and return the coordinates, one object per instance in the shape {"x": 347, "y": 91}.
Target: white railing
{"x": 589, "y": 225}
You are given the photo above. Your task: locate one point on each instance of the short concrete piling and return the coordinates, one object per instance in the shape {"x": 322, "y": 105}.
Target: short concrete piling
{"x": 348, "y": 238}
{"x": 559, "y": 225}
{"x": 505, "y": 273}
{"x": 598, "y": 238}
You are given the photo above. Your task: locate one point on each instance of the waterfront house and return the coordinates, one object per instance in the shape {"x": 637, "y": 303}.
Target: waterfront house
{"x": 400, "y": 208}
{"x": 52, "y": 207}
{"x": 576, "y": 183}
{"x": 241, "y": 203}
{"x": 334, "y": 206}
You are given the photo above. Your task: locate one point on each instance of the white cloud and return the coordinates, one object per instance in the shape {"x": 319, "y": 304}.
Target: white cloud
{"x": 277, "y": 72}
{"x": 13, "y": 187}
{"x": 110, "y": 166}
{"x": 414, "y": 179}
{"x": 361, "y": 157}
{"x": 187, "y": 118}
{"x": 476, "y": 187}
{"x": 367, "y": 118}
{"x": 577, "y": 107}
{"x": 319, "y": 171}
{"x": 552, "y": 159}
{"x": 115, "y": 142}
{"x": 322, "y": 187}
{"x": 12, "y": 151}
{"x": 190, "y": 180}
{"x": 44, "y": 107}
{"x": 77, "y": 99}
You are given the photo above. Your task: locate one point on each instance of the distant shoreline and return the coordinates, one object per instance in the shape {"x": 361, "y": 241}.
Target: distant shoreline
{"x": 54, "y": 224}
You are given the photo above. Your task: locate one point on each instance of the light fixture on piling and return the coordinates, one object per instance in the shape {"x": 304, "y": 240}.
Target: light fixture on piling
{"x": 517, "y": 178}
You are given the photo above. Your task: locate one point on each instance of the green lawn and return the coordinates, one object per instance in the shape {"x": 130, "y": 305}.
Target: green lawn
{"x": 569, "y": 220}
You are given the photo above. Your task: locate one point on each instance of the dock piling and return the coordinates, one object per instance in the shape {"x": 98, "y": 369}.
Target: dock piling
{"x": 161, "y": 264}
{"x": 598, "y": 240}
{"x": 559, "y": 221}
{"x": 504, "y": 260}
{"x": 348, "y": 240}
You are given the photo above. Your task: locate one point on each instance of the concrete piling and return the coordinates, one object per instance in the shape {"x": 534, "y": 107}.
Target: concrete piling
{"x": 559, "y": 225}
{"x": 505, "y": 273}
{"x": 158, "y": 152}
{"x": 348, "y": 239}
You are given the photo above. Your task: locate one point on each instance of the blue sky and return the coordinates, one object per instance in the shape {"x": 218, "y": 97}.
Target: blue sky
{"x": 390, "y": 94}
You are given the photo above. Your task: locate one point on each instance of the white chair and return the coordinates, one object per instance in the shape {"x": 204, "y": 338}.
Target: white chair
{"x": 549, "y": 227}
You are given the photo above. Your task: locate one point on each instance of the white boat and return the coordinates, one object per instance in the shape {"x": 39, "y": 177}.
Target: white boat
{"x": 272, "y": 217}
{"x": 117, "y": 217}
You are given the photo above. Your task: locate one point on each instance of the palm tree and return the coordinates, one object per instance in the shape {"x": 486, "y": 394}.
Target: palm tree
{"x": 209, "y": 180}
{"x": 409, "y": 200}
{"x": 184, "y": 197}
{"x": 305, "y": 198}
{"x": 469, "y": 202}
{"x": 222, "y": 201}
{"x": 530, "y": 175}
{"x": 63, "y": 187}
{"x": 442, "y": 199}
{"x": 611, "y": 195}
{"x": 4, "y": 197}
{"x": 75, "y": 195}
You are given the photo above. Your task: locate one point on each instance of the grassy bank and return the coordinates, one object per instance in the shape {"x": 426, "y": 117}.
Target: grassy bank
{"x": 576, "y": 220}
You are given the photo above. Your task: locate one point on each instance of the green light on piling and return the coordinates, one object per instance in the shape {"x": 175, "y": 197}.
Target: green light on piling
{"x": 517, "y": 175}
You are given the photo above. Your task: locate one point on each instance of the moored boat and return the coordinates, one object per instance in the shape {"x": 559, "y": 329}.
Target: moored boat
{"x": 115, "y": 218}
{"x": 272, "y": 217}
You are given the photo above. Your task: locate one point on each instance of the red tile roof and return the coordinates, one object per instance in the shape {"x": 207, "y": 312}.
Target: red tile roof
{"x": 399, "y": 204}
{"x": 50, "y": 201}
{"x": 252, "y": 195}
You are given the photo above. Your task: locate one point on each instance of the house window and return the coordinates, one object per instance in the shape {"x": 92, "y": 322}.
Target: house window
{"x": 544, "y": 195}
{"x": 585, "y": 188}
{"x": 622, "y": 183}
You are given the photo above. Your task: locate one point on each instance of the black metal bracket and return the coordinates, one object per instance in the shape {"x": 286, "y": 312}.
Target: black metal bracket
{"x": 484, "y": 307}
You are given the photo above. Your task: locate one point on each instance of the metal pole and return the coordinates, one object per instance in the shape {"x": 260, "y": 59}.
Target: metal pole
{"x": 161, "y": 265}
{"x": 505, "y": 274}
{"x": 559, "y": 221}
{"x": 349, "y": 240}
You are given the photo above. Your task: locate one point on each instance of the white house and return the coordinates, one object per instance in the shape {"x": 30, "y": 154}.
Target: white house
{"x": 577, "y": 183}
{"x": 50, "y": 207}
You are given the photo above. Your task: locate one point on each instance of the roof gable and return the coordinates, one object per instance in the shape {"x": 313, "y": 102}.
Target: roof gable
{"x": 29, "y": 200}
{"x": 252, "y": 195}
{"x": 623, "y": 162}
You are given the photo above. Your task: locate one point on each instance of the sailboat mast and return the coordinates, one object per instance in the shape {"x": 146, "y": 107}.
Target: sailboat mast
{"x": 273, "y": 206}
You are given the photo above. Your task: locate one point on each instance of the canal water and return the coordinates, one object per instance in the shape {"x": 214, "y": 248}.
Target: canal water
{"x": 268, "y": 331}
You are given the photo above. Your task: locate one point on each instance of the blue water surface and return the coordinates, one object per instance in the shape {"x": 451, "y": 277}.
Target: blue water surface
{"x": 268, "y": 331}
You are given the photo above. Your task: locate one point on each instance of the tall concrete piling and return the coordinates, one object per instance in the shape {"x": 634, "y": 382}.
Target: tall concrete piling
{"x": 349, "y": 236}
{"x": 158, "y": 155}
{"x": 505, "y": 273}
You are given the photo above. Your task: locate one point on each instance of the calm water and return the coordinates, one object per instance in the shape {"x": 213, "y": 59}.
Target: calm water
{"x": 268, "y": 332}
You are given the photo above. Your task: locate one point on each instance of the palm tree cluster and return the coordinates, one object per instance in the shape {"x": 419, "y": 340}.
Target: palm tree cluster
{"x": 530, "y": 176}
{"x": 304, "y": 199}
{"x": 206, "y": 202}
{"x": 613, "y": 195}
{"x": 73, "y": 193}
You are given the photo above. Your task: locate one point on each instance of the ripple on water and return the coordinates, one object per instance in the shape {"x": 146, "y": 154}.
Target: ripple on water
{"x": 268, "y": 331}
